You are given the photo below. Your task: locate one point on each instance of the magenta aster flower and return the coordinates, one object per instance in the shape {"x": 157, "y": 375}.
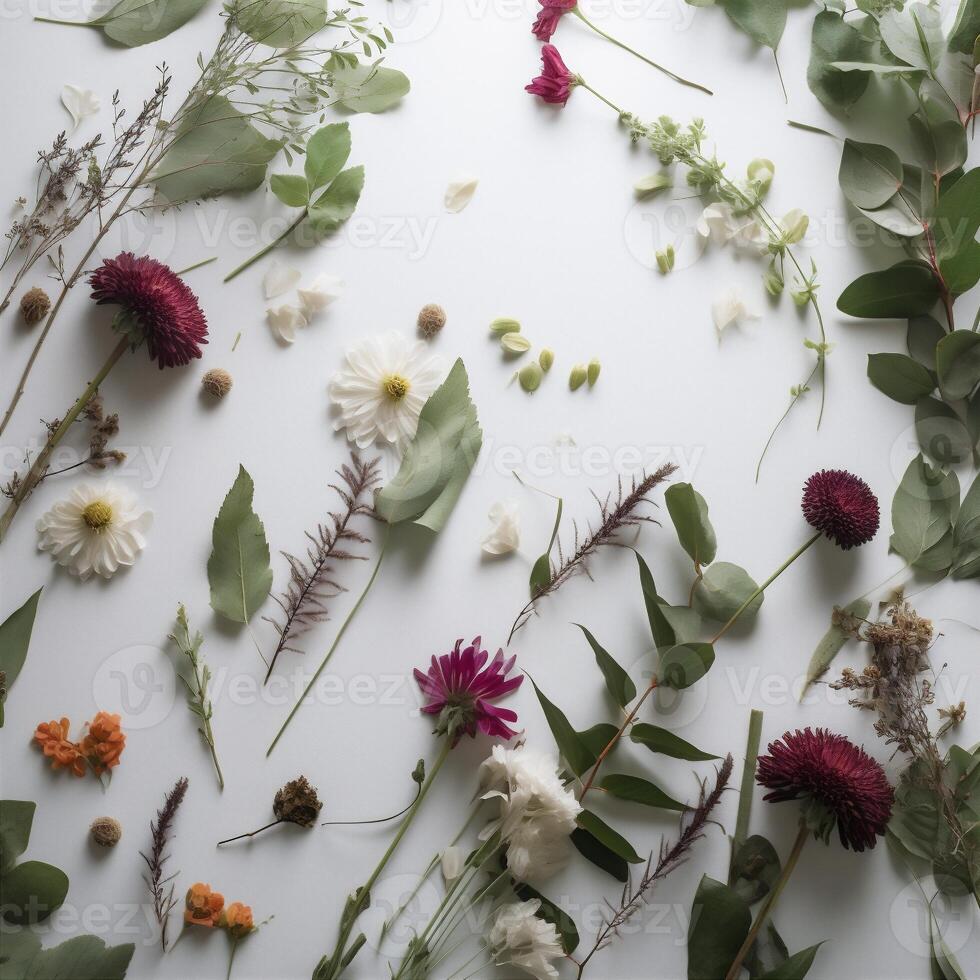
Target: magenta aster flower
{"x": 842, "y": 507}
{"x": 460, "y": 690}
{"x": 550, "y": 13}
{"x": 157, "y": 307}
{"x": 554, "y": 84}
{"x": 838, "y": 782}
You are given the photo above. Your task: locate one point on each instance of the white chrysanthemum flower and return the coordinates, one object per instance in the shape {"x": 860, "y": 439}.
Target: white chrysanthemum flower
{"x": 284, "y": 320}
{"x": 320, "y": 293}
{"x": 99, "y": 528}
{"x": 537, "y": 811}
{"x": 382, "y": 388}
{"x": 504, "y": 535}
{"x": 730, "y": 308}
{"x": 518, "y": 937}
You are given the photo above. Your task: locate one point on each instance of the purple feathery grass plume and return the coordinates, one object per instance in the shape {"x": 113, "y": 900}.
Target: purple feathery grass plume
{"x": 162, "y": 888}
{"x": 460, "y": 690}
{"x": 838, "y": 782}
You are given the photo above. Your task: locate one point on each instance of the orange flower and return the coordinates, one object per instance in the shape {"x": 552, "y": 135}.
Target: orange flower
{"x": 52, "y": 736}
{"x": 104, "y": 742}
{"x": 203, "y": 906}
{"x": 237, "y": 919}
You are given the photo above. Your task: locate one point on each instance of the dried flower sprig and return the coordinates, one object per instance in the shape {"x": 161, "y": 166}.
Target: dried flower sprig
{"x": 312, "y": 582}
{"x": 615, "y": 515}
{"x": 297, "y": 802}
{"x": 99, "y": 749}
{"x": 671, "y": 857}
{"x": 161, "y": 886}
{"x": 196, "y": 683}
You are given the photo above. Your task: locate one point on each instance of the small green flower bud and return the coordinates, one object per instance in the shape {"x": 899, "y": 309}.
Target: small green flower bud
{"x": 773, "y": 281}
{"x": 652, "y": 184}
{"x": 593, "y": 371}
{"x": 505, "y": 324}
{"x": 530, "y": 376}
{"x": 665, "y": 259}
{"x": 515, "y": 343}
{"x": 546, "y": 358}
{"x": 577, "y": 377}
{"x": 761, "y": 171}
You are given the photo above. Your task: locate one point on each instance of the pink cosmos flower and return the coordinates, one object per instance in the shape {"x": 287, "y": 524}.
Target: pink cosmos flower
{"x": 548, "y": 16}
{"x": 459, "y": 689}
{"x": 555, "y": 82}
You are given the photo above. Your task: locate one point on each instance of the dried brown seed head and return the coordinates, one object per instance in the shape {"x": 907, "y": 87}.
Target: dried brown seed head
{"x": 297, "y": 803}
{"x": 34, "y": 306}
{"x": 432, "y": 318}
{"x": 217, "y": 382}
{"x": 106, "y": 831}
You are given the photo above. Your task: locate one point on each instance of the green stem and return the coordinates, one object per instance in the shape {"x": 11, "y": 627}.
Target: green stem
{"x": 619, "y": 44}
{"x": 333, "y": 646}
{"x": 231, "y": 957}
{"x": 268, "y": 248}
{"x": 228, "y": 840}
{"x": 745, "y": 789}
{"x": 68, "y": 23}
{"x": 579, "y": 80}
{"x": 37, "y": 470}
{"x": 765, "y": 585}
{"x": 197, "y": 265}
{"x": 770, "y": 901}
{"x": 363, "y": 894}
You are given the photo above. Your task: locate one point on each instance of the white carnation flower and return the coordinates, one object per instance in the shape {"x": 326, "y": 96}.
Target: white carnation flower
{"x": 382, "y": 388}
{"x": 97, "y": 529}
{"x": 518, "y": 937}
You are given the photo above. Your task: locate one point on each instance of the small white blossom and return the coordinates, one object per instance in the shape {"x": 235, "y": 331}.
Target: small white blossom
{"x": 794, "y": 225}
{"x": 518, "y": 937}
{"x": 319, "y": 294}
{"x": 80, "y": 103}
{"x": 729, "y": 309}
{"x": 284, "y": 320}
{"x": 504, "y": 535}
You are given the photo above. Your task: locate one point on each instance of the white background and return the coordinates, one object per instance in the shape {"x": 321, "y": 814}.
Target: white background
{"x": 554, "y": 238}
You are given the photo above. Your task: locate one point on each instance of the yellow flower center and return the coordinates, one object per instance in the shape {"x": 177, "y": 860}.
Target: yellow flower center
{"x": 395, "y": 386}
{"x": 97, "y": 515}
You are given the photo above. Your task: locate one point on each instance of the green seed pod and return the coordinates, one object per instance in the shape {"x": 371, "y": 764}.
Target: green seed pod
{"x": 515, "y": 343}
{"x": 546, "y": 358}
{"x": 504, "y": 324}
{"x": 577, "y": 377}
{"x": 592, "y": 371}
{"x": 530, "y": 376}
{"x": 665, "y": 259}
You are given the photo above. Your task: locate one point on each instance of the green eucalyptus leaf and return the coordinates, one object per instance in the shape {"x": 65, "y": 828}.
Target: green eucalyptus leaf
{"x": 541, "y": 570}
{"x": 608, "y": 837}
{"x": 966, "y": 535}
{"x": 897, "y": 215}
{"x": 16, "y": 820}
{"x": 914, "y": 35}
{"x": 282, "y": 23}
{"x": 722, "y": 590}
{"x": 755, "y": 869}
{"x": 941, "y": 432}
{"x": 369, "y": 88}
{"x": 832, "y": 642}
{"x": 938, "y": 133}
{"x": 337, "y": 203}
{"x": 834, "y": 40}
{"x": 136, "y": 22}
{"x": 635, "y": 789}
{"x": 596, "y": 738}
{"x": 907, "y": 289}
{"x": 216, "y": 150}
{"x": 660, "y": 626}
{"x": 923, "y": 510}
{"x": 327, "y": 151}
{"x": 922, "y": 337}
{"x": 684, "y": 621}
{"x": 874, "y": 68}
{"x": 870, "y": 174}
{"x": 592, "y": 849}
{"x": 900, "y": 377}
{"x": 81, "y": 958}
{"x": 954, "y": 227}
{"x": 618, "y": 682}
{"x": 550, "y": 912}
{"x": 292, "y": 189}
{"x": 689, "y": 513}
{"x": 795, "y": 967}
{"x": 575, "y": 753}
{"x": 958, "y": 363}
{"x": 15, "y": 638}
{"x": 661, "y": 740}
{"x": 763, "y": 20}
{"x": 31, "y": 891}
{"x": 239, "y": 572}
{"x": 720, "y": 921}
{"x": 437, "y": 462}
{"x": 684, "y": 664}
{"x": 966, "y": 28}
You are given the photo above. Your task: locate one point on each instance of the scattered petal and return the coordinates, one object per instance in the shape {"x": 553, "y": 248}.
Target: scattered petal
{"x": 319, "y": 294}
{"x": 453, "y": 862}
{"x": 729, "y": 309}
{"x": 504, "y": 535}
{"x": 284, "y": 320}
{"x": 460, "y": 192}
{"x": 80, "y": 103}
{"x": 279, "y": 279}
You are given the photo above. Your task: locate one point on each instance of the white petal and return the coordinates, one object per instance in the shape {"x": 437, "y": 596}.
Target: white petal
{"x": 715, "y": 223}
{"x": 453, "y": 862}
{"x": 729, "y": 309}
{"x": 319, "y": 294}
{"x": 279, "y": 279}
{"x": 284, "y": 320}
{"x": 460, "y": 192}
{"x": 80, "y": 102}
{"x": 504, "y": 535}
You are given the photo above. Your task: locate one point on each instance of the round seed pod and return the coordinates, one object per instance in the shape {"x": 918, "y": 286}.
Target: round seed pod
{"x": 217, "y": 382}
{"x": 34, "y": 306}
{"x": 432, "y": 318}
{"x": 106, "y": 831}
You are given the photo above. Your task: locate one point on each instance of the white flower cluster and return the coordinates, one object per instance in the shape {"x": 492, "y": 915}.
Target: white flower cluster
{"x": 518, "y": 937}
{"x": 537, "y": 812}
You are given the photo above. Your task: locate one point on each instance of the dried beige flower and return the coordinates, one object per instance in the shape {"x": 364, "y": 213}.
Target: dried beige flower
{"x": 297, "y": 802}
{"x": 34, "y": 306}
{"x": 106, "y": 831}
{"x": 432, "y": 318}
{"x": 217, "y": 382}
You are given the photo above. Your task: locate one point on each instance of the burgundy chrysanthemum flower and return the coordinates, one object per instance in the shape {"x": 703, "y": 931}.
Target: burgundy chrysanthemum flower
{"x": 550, "y": 13}
{"x": 157, "y": 307}
{"x": 554, "y": 84}
{"x": 459, "y": 689}
{"x": 838, "y": 781}
{"x": 842, "y": 507}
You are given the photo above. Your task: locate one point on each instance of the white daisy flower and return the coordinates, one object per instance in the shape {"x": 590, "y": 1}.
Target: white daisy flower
{"x": 504, "y": 535}
{"x": 380, "y": 391}
{"x": 99, "y": 528}
{"x": 518, "y": 937}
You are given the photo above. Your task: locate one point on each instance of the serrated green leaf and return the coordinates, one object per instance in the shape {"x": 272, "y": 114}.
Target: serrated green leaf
{"x": 327, "y": 151}
{"x": 721, "y": 591}
{"x": 369, "y": 88}
{"x": 618, "y": 682}
{"x": 291, "y": 189}
{"x": 907, "y": 289}
{"x": 635, "y": 789}
{"x": 900, "y": 377}
{"x": 15, "y": 639}
{"x": 337, "y": 203}
{"x": 437, "y": 462}
{"x": 239, "y": 572}
{"x": 689, "y": 514}
{"x": 661, "y": 740}
{"x": 720, "y": 921}
{"x": 608, "y": 837}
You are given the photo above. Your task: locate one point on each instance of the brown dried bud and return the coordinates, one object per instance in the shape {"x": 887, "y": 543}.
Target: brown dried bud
{"x": 217, "y": 382}
{"x": 432, "y": 318}
{"x": 106, "y": 831}
{"x": 34, "y": 306}
{"x": 297, "y": 803}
